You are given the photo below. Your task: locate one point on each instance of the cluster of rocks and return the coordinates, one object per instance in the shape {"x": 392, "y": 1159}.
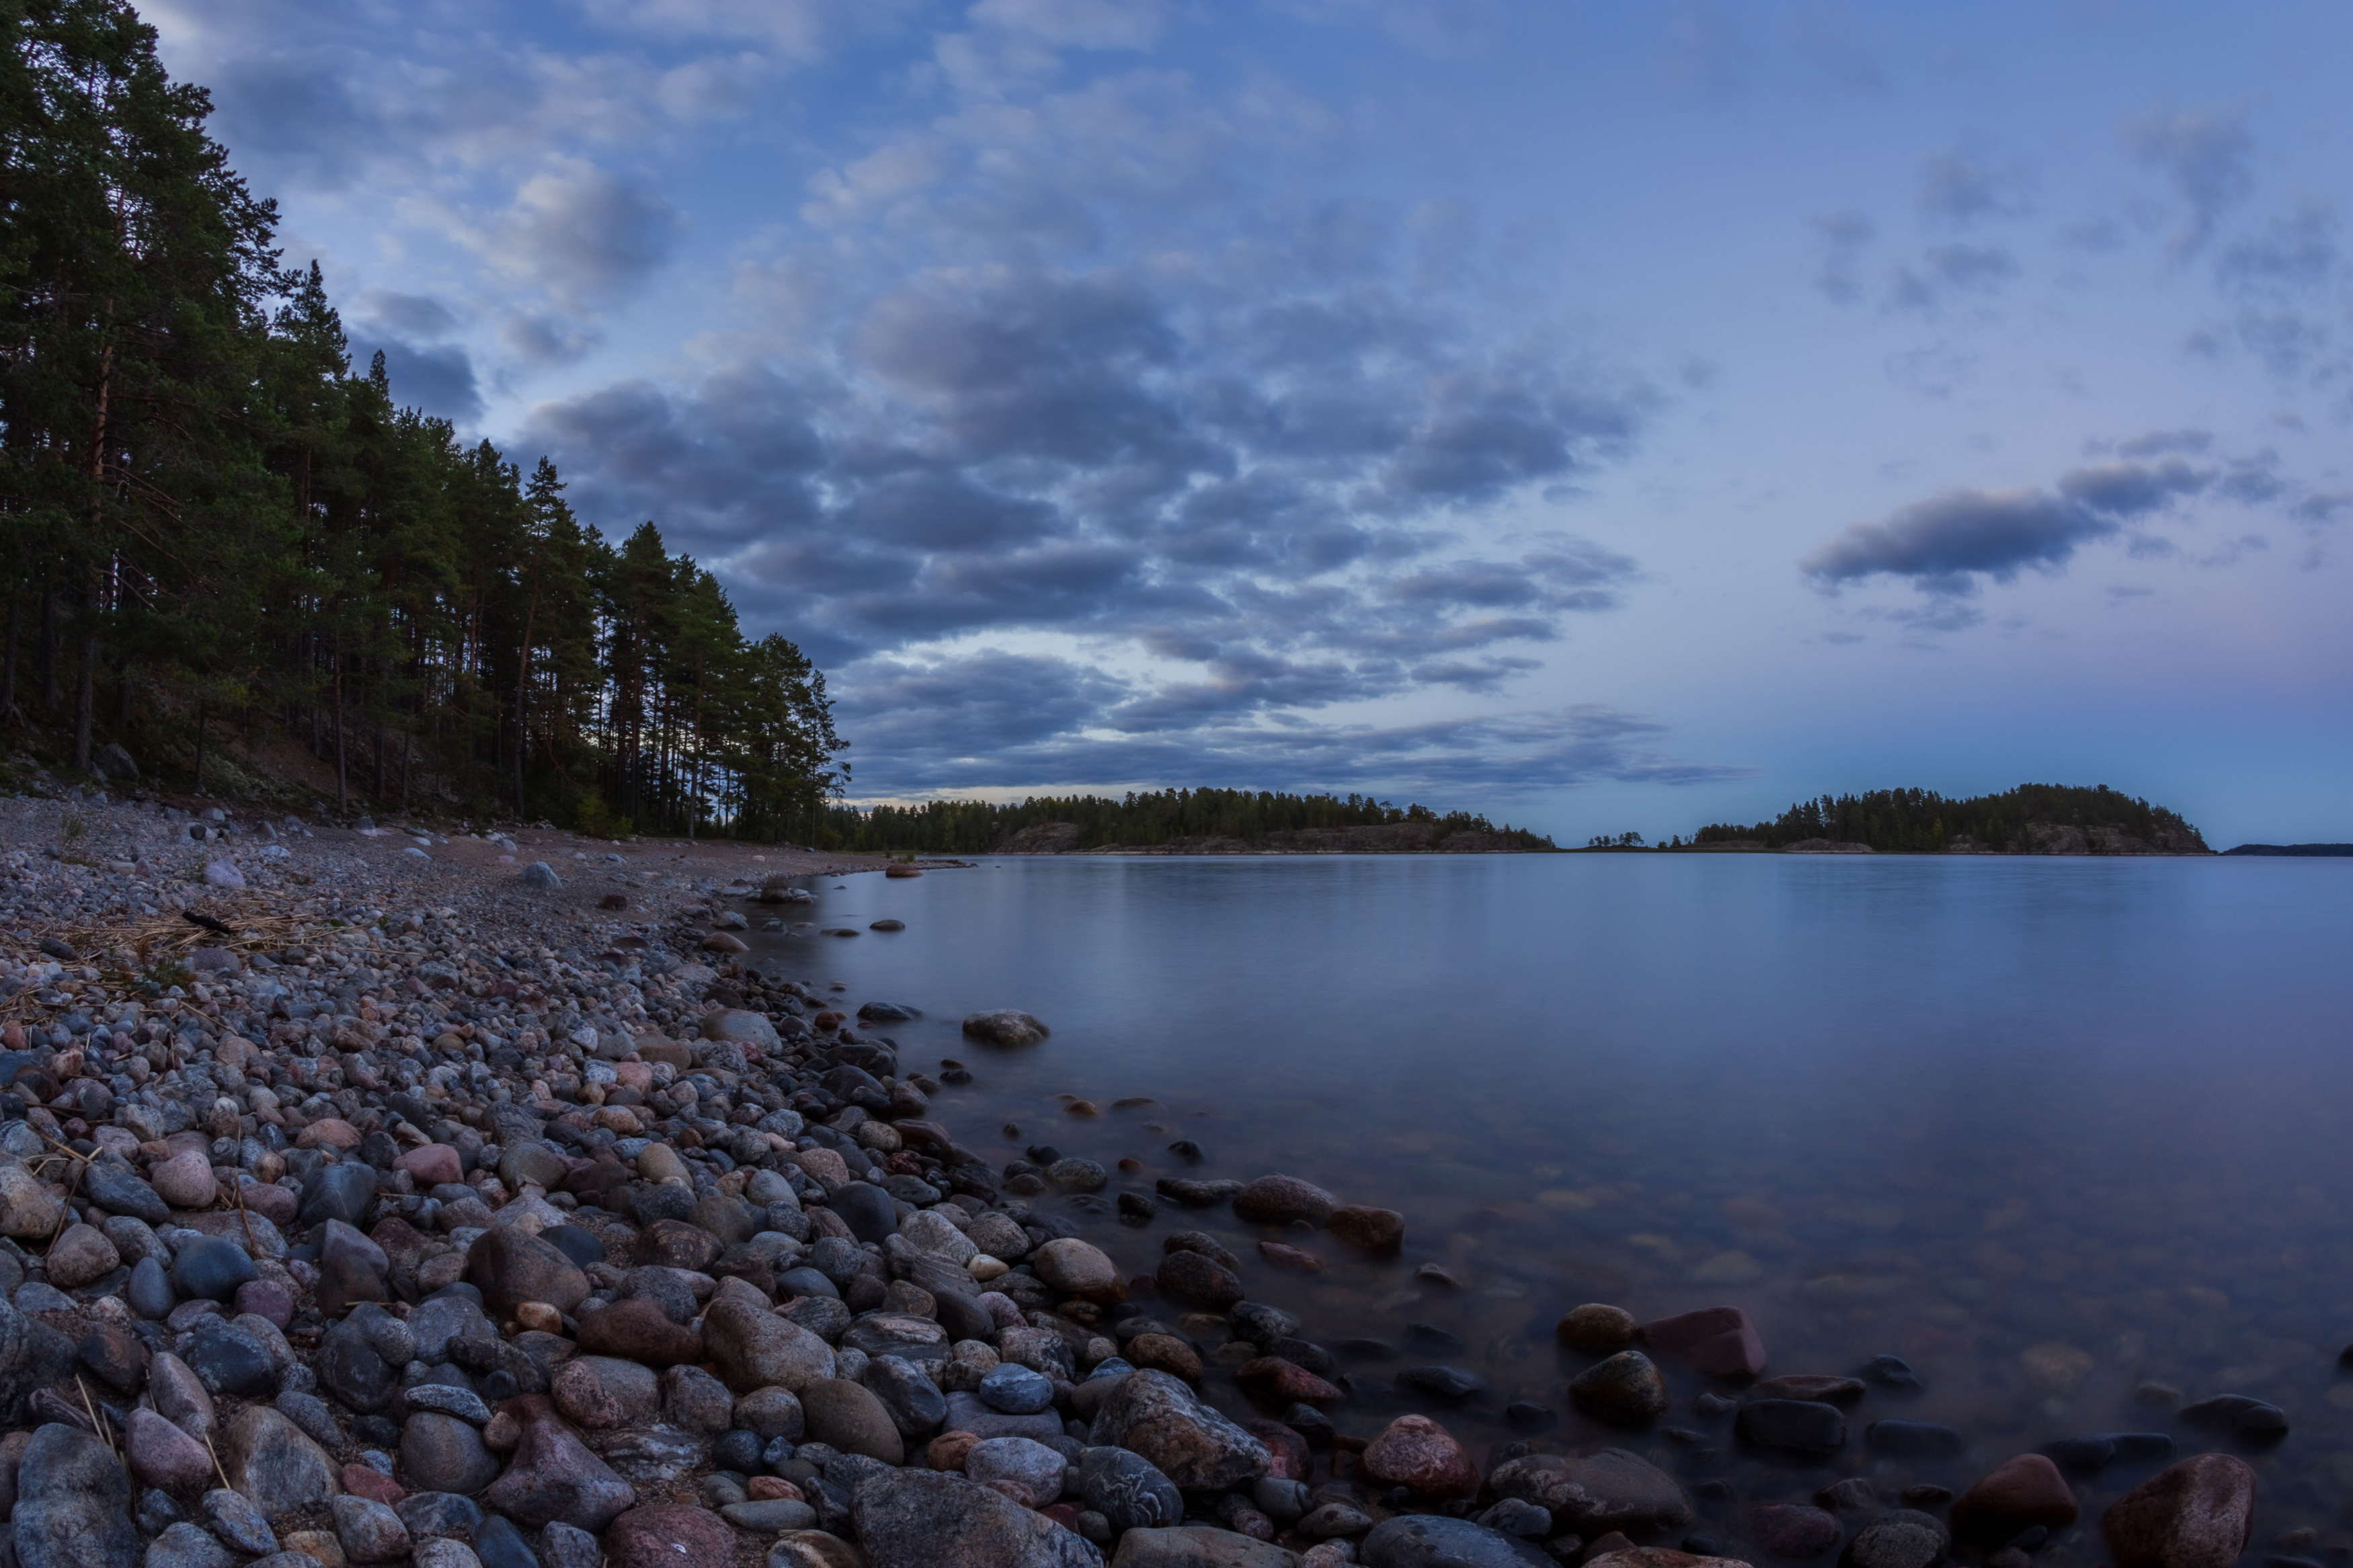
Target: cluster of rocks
{"x": 419, "y": 1241}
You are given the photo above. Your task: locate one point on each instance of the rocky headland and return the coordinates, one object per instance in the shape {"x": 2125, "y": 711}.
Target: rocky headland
{"x": 372, "y": 1197}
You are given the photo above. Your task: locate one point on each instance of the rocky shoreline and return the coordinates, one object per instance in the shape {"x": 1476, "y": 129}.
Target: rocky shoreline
{"x": 374, "y": 1195}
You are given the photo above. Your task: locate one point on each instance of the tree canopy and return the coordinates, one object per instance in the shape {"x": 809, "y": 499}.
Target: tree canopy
{"x": 1923, "y": 821}
{"x": 206, "y": 515}
{"x": 1157, "y": 818}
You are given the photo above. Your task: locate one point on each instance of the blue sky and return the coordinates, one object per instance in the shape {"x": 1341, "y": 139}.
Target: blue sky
{"x": 1605, "y": 417}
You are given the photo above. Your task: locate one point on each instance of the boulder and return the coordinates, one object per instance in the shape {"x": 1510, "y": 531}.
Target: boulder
{"x": 73, "y": 1504}
{"x": 1432, "y": 1540}
{"x": 2014, "y": 1497}
{"x": 930, "y": 1519}
{"x": 270, "y": 1460}
{"x": 1416, "y": 1453}
{"x": 1718, "y": 1341}
{"x": 753, "y": 1348}
{"x": 1155, "y": 1416}
{"x": 1593, "y": 1494}
{"x": 1198, "y": 1546}
{"x": 1005, "y": 1028}
{"x": 510, "y": 1266}
{"x": 2193, "y": 1514}
{"x": 553, "y": 1476}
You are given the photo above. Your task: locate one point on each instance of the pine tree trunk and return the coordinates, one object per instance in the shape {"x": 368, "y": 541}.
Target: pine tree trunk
{"x": 8, "y": 661}
{"x": 51, "y": 695}
{"x": 202, "y": 714}
{"x": 85, "y": 699}
{"x": 343, "y": 765}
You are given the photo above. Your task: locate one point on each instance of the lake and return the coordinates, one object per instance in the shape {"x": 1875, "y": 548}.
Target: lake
{"x": 2069, "y": 1136}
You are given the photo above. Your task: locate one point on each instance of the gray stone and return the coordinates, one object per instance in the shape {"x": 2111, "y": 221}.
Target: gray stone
{"x": 115, "y": 1189}
{"x": 1594, "y": 1494}
{"x": 1154, "y": 1415}
{"x": 967, "y": 1414}
{"x": 1015, "y": 1390}
{"x": 439, "y": 1513}
{"x": 1198, "y": 1546}
{"x": 930, "y": 1519}
{"x": 73, "y": 1504}
{"x": 269, "y": 1460}
{"x": 150, "y": 1292}
{"x": 1904, "y": 1539}
{"x": 539, "y": 874}
{"x": 370, "y": 1531}
{"x": 443, "y": 1453}
{"x": 1129, "y": 1492}
{"x": 915, "y": 1403}
{"x": 1431, "y": 1540}
{"x": 445, "y": 1400}
{"x": 767, "y": 1517}
{"x": 236, "y": 1521}
{"x": 186, "y": 1545}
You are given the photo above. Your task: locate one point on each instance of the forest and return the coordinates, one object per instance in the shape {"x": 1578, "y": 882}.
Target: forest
{"x": 1923, "y": 821}
{"x": 211, "y": 526}
{"x": 1161, "y": 816}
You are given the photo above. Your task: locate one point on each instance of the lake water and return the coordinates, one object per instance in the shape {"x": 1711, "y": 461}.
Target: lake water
{"x": 2049, "y": 1130}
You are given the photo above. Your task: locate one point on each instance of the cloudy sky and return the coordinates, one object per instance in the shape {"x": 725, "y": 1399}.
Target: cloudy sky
{"x": 1608, "y": 417}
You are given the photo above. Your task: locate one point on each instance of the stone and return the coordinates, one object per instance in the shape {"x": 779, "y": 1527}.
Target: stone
{"x": 1377, "y": 1231}
{"x": 601, "y": 1392}
{"x": 1431, "y": 1541}
{"x": 185, "y": 1181}
{"x": 150, "y": 1292}
{"x": 772, "y": 1412}
{"x": 753, "y": 1348}
{"x": 344, "y": 1191}
{"x": 566, "y": 1547}
{"x": 1155, "y": 1416}
{"x": 1822, "y": 1390}
{"x": 500, "y": 1544}
{"x": 266, "y": 1298}
{"x": 1658, "y": 1557}
{"x": 443, "y": 1453}
{"x": 541, "y": 876}
{"x": 443, "y": 1552}
{"x": 160, "y": 1455}
{"x": 1416, "y": 1453}
{"x": 1280, "y": 1200}
{"x": 695, "y": 1401}
{"x": 271, "y": 1461}
{"x": 1915, "y": 1439}
{"x": 80, "y": 1256}
{"x": 1080, "y": 1269}
{"x": 916, "y": 1406}
{"x": 237, "y": 1521}
{"x": 223, "y": 874}
{"x": 439, "y": 1513}
{"x": 1796, "y": 1531}
{"x": 186, "y": 1545}
{"x": 2249, "y": 1420}
{"x": 179, "y": 1394}
{"x": 211, "y": 1270}
{"x": 669, "y": 1535}
{"x": 765, "y": 1516}
{"x": 510, "y": 1266}
{"x": 1195, "y": 1277}
{"x": 432, "y": 1166}
{"x": 1005, "y": 1028}
{"x": 553, "y": 1476}
{"x": 1022, "y": 1462}
{"x": 1593, "y": 1494}
{"x": 1199, "y": 1546}
{"x": 2013, "y": 1498}
{"x": 639, "y": 1329}
{"x": 849, "y": 1418}
{"x": 1718, "y": 1341}
{"x": 1904, "y": 1539}
{"x": 350, "y": 1368}
{"x": 2193, "y": 1514}
{"x": 1793, "y": 1427}
{"x": 444, "y": 1399}
{"x": 1625, "y": 1390}
{"x": 1128, "y": 1489}
{"x": 1015, "y": 1389}
{"x": 867, "y": 1209}
{"x": 930, "y": 1519}
{"x": 370, "y": 1531}
{"x": 73, "y": 1503}
{"x": 118, "y": 1191}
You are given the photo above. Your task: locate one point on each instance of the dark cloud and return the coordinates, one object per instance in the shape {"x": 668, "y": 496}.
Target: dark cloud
{"x": 2157, "y": 443}
{"x": 586, "y": 234}
{"x": 411, "y": 316}
{"x": 1841, "y": 238}
{"x": 1946, "y": 544}
{"x": 2132, "y": 490}
{"x": 1944, "y": 270}
{"x": 2204, "y": 154}
{"x": 542, "y": 343}
{"x": 438, "y": 378}
{"x": 1958, "y": 188}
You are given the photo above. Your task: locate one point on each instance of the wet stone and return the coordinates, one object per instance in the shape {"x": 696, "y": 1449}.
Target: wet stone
{"x": 1798, "y": 1426}
{"x": 1625, "y": 1390}
{"x": 1425, "y": 1541}
{"x": 1904, "y": 1539}
{"x": 1913, "y": 1439}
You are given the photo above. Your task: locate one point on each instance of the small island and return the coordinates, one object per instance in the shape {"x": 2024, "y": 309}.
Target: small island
{"x": 1179, "y": 822}
{"x": 2031, "y": 819}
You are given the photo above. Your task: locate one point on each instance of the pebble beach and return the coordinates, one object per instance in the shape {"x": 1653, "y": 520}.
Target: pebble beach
{"x": 410, "y": 1194}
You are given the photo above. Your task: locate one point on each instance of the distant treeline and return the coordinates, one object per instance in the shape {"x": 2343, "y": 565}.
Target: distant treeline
{"x": 1923, "y": 821}
{"x": 1161, "y": 816}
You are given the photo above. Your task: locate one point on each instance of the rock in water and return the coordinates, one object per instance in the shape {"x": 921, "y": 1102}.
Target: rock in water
{"x": 1625, "y": 1390}
{"x": 1427, "y": 1541}
{"x": 1718, "y": 1341}
{"x": 2015, "y": 1497}
{"x": 1904, "y": 1539}
{"x": 1155, "y": 1416}
{"x": 2195, "y": 1514}
{"x": 1416, "y": 1453}
{"x": 1005, "y": 1028}
{"x": 73, "y": 1504}
{"x": 932, "y": 1519}
{"x": 1596, "y": 1493}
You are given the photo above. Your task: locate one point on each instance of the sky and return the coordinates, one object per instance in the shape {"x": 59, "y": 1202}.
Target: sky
{"x": 1606, "y": 418}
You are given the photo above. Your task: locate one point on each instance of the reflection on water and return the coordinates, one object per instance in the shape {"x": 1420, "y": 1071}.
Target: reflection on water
{"x": 2054, "y": 1131}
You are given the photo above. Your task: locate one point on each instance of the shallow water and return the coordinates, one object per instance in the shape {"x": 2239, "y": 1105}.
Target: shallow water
{"x": 2047, "y": 1128}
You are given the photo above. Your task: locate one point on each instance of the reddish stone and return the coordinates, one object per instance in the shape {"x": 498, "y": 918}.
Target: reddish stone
{"x": 2016, "y": 1495}
{"x": 1165, "y": 1352}
{"x": 669, "y": 1535}
{"x": 432, "y": 1164}
{"x": 365, "y": 1480}
{"x": 329, "y": 1132}
{"x": 638, "y": 1330}
{"x": 1280, "y": 1382}
{"x": 1416, "y": 1453}
{"x": 1793, "y": 1529}
{"x": 772, "y": 1488}
{"x": 1374, "y": 1230}
{"x": 1279, "y": 1199}
{"x": 1718, "y": 1341}
{"x": 2195, "y": 1514}
{"x": 1288, "y": 1459}
{"x": 1290, "y": 1258}
{"x": 947, "y": 1451}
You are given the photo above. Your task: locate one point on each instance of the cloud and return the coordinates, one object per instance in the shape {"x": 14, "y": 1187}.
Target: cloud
{"x": 1841, "y": 238}
{"x": 2204, "y": 154}
{"x": 438, "y": 378}
{"x": 1956, "y": 188}
{"x": 584, "y": 234}
{"x": 2132, "y": 490}
{"x": 1944, "y": 270}
{"x": 1077, "y": 24}
{"x": 1944, "y": 543}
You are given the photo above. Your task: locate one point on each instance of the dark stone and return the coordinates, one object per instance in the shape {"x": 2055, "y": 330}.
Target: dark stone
{"x": 1904, "y": 1539}
{"x": 1913, "y": 1439}
{"x": 343, "y": 1190}
{"x": 1793, "y": 1427}
{"x": 1128, "y": 1489}
{"x": 117, "y": 1190}
{"x": 917, "y": 1406}
{"x": 1260, "y": 1323}
{"x": 352, "y": 1370}
{"x": 870, "y": 1212}
{"x": 581, "y": 1245}
{"x": 500, "y": 1544}
{"x": 1431, "y": 1540}
{"x": 2249, "y": 1420}
{"x": 150, "y": 1292}
{"x": 1891, "y": 1372}
{"x": 1449, "y": 1384}
{"x": 73, "y": 1504}
{"x": 740, "y": 1450}
{"x": 211, "y": 1270}
{"x": 925, "y": 1519}
{"x": 115, "y": 1355}
{"x": 228, "y": 1360}
{"x": 512, "y": 1267}
{"x": 439, "y": 1513}
{"x": 1793, "y": 1529}
{"x": 1625, "y": 1390}
{"x": 445, "y": 1455}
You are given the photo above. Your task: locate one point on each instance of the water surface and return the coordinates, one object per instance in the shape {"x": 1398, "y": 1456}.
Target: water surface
{"x": 2050, "y": 1130}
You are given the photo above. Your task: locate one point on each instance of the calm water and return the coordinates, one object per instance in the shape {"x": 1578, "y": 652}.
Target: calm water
{"x": 2049, "y": 1130}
